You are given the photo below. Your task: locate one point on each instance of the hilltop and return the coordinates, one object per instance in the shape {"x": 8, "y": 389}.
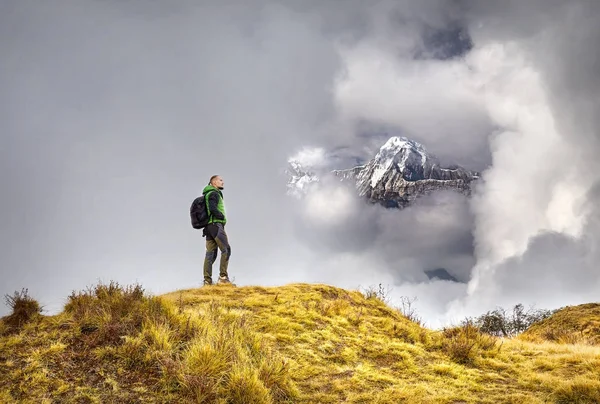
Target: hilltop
{"x": 297, "y": 343}
{"x": 574, "y": 324}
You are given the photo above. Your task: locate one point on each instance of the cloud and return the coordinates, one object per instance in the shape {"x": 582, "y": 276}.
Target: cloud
{"x": 433, "y": 233}
{"x": 535, "y": 212}
{"x": 431, "y": 101}
{"x": 114, "y": 115}
{"x": 310, "y": 157}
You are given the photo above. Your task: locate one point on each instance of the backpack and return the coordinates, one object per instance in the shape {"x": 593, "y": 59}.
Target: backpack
{"x": 199, "y": 212}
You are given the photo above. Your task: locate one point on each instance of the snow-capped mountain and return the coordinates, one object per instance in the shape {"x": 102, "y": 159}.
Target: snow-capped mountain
{"x": 401, "y": 171}
{"x": 299, "y": 178}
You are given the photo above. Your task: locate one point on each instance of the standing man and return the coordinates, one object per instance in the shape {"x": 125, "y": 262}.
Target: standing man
{"x": 215, "y": 232}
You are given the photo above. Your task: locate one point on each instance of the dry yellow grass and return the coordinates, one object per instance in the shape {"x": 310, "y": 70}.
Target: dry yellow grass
{"x": 296, "y": 343}
{"x": 574, "y": 325}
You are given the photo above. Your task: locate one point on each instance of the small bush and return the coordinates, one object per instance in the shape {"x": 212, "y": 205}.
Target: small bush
{"x": 105, "y": 314}
{"x": 24, "y": 309}
{"x": 378, "y": 292}
{"x": 559, "y": 335}
{"x": 502, "y": 323}
{"x": 407, "y": 309}
{"x": 462, "y": 344}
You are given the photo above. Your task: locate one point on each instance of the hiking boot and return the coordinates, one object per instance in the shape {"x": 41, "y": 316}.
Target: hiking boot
{"x": 224, "y": 280}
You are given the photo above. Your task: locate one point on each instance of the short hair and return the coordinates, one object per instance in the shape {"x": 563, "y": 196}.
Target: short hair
{"x": 212, "y": 178}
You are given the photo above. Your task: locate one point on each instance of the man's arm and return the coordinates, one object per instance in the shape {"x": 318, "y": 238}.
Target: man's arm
{"x": 213, "y": 201}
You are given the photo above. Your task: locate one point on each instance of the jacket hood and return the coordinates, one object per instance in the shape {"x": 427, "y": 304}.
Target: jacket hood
{"x": 210, "y": 188}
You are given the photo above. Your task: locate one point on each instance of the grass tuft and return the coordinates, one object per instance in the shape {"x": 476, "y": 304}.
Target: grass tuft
{"x": 465, "y": 343}
{"x": 245, "y": 387}
{"x": 577, "y": 391}
{"x": 24, "y": 308}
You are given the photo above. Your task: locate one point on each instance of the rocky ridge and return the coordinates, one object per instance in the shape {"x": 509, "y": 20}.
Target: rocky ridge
{"x": 401, "y": 172}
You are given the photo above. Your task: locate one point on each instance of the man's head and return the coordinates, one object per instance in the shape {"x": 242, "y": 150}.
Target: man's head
{"x": 216, "y": 181}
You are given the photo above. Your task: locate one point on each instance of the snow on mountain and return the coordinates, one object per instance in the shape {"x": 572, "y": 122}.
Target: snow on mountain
{"x": 299, "y": 178}
{"x": 302, "y": 170}
{"x": 400, "y": 151}
{"x": 400, "y": 172}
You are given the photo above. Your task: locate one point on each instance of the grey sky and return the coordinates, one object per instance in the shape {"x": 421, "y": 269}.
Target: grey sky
{"x": 114, "y": 114}
{"x": 114, "y": 117}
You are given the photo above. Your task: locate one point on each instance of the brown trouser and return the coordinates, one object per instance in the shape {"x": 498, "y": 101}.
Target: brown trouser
{"x": 216, "y": 238}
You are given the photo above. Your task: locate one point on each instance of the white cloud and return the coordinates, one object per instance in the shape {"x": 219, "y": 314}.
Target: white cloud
{"x": 313, "y": 157}
{"x": 431, "y": 101}
{"x": 328, "y": 206}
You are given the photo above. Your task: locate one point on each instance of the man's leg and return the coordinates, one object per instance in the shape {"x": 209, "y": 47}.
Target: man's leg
{"x": 209, "y": 259}
{"x": 223, "y": 243}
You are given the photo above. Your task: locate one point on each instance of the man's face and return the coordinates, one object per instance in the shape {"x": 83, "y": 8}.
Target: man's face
{"x": 218, "y": 182}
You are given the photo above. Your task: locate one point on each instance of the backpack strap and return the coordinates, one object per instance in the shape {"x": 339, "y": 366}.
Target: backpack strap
{"x": 208, "y": 206}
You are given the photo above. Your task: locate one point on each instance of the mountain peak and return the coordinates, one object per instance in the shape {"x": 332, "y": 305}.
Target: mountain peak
{"x": 401, "y": 171}
{"x": 399, "y": 153}
{"x": 396, "y": 142}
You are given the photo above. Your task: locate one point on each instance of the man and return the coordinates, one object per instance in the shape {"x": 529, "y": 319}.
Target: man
{"x": 215, "y": 232}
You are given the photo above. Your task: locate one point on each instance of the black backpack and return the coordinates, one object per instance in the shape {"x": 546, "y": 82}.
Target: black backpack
{"x": 199, "y": 212}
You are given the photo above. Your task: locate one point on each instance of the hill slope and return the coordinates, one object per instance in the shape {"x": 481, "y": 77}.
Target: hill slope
{"x": 573, "y": 324}
{"x": 296, "y": 343}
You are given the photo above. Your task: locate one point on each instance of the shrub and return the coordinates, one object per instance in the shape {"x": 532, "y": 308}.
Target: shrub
{"x": 462, "y": 344}
{"x": 501, "y": 323}
{"x": 105, "y": 314}
{"x": 24, "y": 310}
{"x": 408, "y": 311}
{"x": 378, "y": 292}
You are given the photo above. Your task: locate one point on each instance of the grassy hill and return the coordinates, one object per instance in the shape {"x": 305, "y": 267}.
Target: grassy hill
{"x": 574, "y": 324}
{"x": 293, "y": 344}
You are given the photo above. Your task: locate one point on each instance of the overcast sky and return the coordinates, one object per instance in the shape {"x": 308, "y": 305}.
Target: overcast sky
{"x": 113, "y": 115}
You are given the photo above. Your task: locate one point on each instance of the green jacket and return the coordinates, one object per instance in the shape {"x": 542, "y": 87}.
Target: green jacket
{"x": 215, "y": 205}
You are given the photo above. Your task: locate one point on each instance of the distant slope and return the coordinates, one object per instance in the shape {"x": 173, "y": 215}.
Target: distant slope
{"x": 574, "y": 324}
{"x": 298, "y": 343}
